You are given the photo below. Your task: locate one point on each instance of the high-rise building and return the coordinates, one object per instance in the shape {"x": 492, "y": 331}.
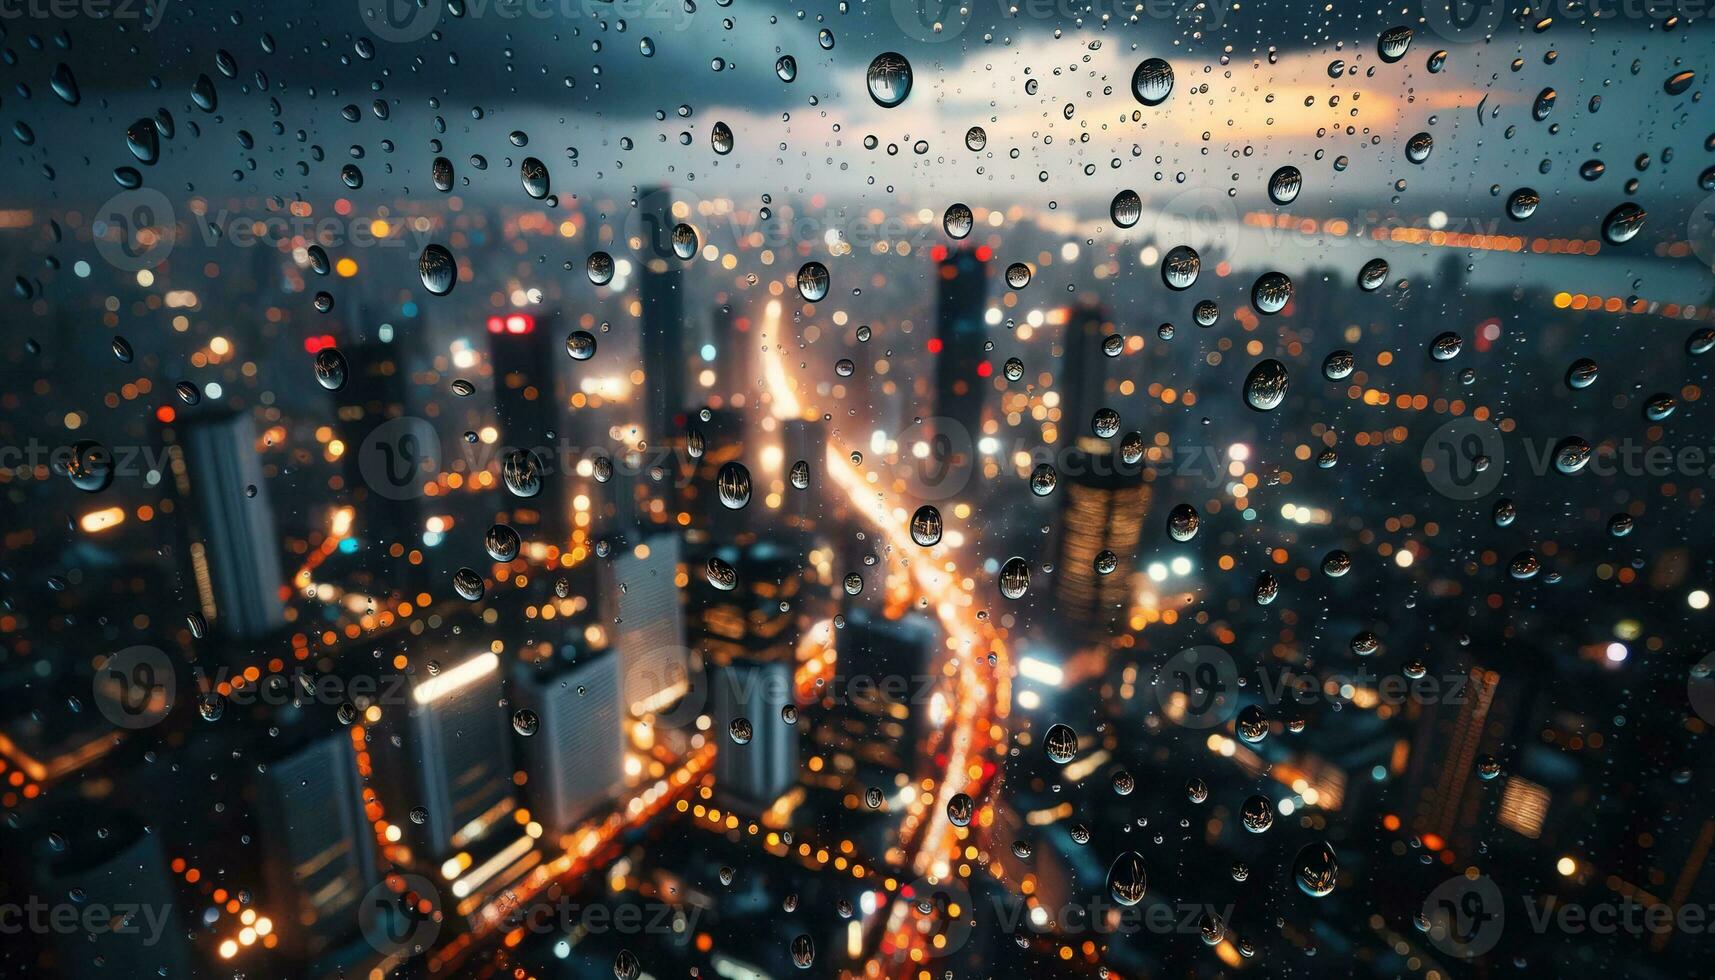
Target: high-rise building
{"x": 318, "y": 850}
{"x": 749, "y": 637}
{"x": 113, "y": 861}
{"x": 1103, "y": 506}
{"x": 806, "y": 440}
{"x": 1083, "y": 375}
{"x": 375, "y": 393}
{"x": 449, "y": 753}
{"x": 574, "y": 758}
{"x": 661, "y": 293}
{"x": 722, "y": 436}
{"x": 877, "y": 706}
{"x": 754, "y": 770}
{"x": 525, "y": 356}
{"x": 960, "y": 368}
{"x": 640, "y": 601}
{"x": 234, "y": 549}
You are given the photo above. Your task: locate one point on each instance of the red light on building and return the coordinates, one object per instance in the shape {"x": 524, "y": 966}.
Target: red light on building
{"x": 985, "y": 369}
{"x": 938, "y": 253}
{"x": 516, "y": 323}
{"x": 984, "y": 253}
{"x": 314, "y": 344}
{"x": 166, "y": 414}
{"x": 934, "y": 345}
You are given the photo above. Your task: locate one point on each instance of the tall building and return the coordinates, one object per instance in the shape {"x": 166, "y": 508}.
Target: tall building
{"x": 749, "y": 637}
{"x": 574, "y": 759}
{"x": 525, "y": 356}
{"x": 376, "y": 392}
{"x": 806, "y": 440}
{"x": 661, "y": 293}
{"x": 960, "y": 294}
{"x": 450, "y": 753}
{"x": 318, "y": 850}
{"x": 1103, "y": 506}
{"x": 640, "y": 605}
{"x": 1083, "y": 376}
{"x": 113, "y": 861}
{"x": 234, "y": 548}
{"x": 751, "y": 693}
{"x": 877, "y": 706}
{"x": 722, "y": 436}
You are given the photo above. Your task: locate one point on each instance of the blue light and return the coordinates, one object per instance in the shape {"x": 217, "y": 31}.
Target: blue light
{"x": 708, "y": 352}
{"x": 409, "y": 309}
{"x": 348, "y": 546}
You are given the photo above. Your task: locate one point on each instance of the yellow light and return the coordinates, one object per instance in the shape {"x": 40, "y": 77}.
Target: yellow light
{"x": 346, "y": 267}
{"x": 1566, "y": 866}
{"x": 228, "y": 950}
{"x": 97, "y": 521}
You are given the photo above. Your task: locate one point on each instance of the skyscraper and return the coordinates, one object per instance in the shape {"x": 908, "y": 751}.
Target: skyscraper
{"x": 960, "y": 367}
{"x": 318, "y": 848}
{"x": 749, "y": 637}
{"x": 375, "y": 393}
{"x": 525, "y": 356}
{"x": 234, "y": 549}
{"x": 878, "y": 706}
{"x": 113, "y": 862}
{"x": 806, "y": 440}
{"x": 1083, "y": 375}
{"x": 661, "y": 294}
{"x": 573, "y": 760}
{"x": 1102, "y": 509}
{"x": 752, "y": 769}
{"x": 640, "y": 602}
{"x": 449, "y": 753}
